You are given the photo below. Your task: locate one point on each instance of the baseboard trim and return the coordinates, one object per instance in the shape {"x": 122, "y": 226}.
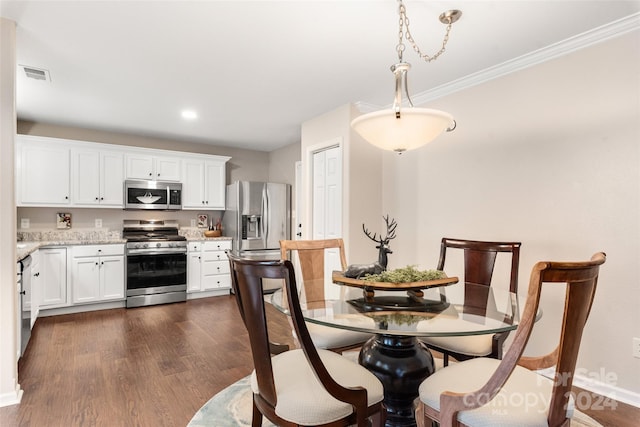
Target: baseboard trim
{"x": 81, "y": 308}
{"x": 11, "y": 398}
{"x": 599, "y": 387}
{"x": 207, "y": 294}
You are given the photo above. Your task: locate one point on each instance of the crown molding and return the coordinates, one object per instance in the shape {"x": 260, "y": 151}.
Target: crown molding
{"x": 589, "y": 38}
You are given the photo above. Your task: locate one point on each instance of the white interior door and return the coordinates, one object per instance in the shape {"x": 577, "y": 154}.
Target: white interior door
{"x": 298, "y": 215}
{"x": 327, "y": 207}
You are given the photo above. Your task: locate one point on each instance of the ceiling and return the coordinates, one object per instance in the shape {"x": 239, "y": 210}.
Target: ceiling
{"x": 254, "y": 71}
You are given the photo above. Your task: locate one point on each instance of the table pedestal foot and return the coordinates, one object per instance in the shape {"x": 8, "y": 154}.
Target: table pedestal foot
{"x": 401, "y": 363}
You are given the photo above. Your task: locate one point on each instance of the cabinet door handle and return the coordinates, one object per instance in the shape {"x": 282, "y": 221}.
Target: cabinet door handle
{"x": 101, "y": 198}
{"x": 96, "y": 198}
{"x": 96, "y": 262}
{"x": 66, "y": 197}
{"x": 150, "y": 174}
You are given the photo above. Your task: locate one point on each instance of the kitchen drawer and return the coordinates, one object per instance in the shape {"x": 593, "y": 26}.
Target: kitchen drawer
{"x": 97, "y": 250}
{"x": 215, "y": 256}
{"x": 217, "y": 281}
{"x": 210, "y": 267}
{"x": 194, "y": 246}
{"x": 217, "y": 245}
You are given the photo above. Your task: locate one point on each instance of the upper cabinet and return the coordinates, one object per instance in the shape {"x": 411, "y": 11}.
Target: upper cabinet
{"x": 203, "y": 183}
{"x": 58, "y": 172}
{"x": 152, "y": 167}
{"x": 97, "y": 177}
{"x": 42, "y": 173}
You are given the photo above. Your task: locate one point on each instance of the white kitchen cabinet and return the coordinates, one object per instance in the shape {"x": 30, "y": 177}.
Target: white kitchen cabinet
{"x": 208, "y": 266}
{"x": 53, "y": 277}
{"x": 42, "y": 171}
{"x": 204, "y": 183}
{"x": 97, "y": 273}
{"x": 152, "y": 167}
{"x": 97, "y": 178}
{"x": 194, "y": 270}
{"x": 35, "y": 285}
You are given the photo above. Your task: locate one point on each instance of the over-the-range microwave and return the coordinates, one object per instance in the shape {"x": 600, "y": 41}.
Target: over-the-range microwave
{"x": 160, "y": 195}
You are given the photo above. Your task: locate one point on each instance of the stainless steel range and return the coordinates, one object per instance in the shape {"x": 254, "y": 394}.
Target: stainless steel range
{"x": 156, "y": 262}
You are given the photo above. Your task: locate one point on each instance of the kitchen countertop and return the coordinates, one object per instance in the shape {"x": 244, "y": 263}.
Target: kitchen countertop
{"x": 26, "y": 248}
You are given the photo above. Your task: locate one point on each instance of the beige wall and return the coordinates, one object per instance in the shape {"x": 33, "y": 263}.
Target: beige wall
{"x": 282, "y": 164}
{"x": 548, "y": 156}
{"x": 9, "y": 389}
{"x": 362, "y": 166}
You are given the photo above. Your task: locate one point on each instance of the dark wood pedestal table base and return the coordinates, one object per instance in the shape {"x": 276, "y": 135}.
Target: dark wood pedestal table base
{"x": 401, "y": 364}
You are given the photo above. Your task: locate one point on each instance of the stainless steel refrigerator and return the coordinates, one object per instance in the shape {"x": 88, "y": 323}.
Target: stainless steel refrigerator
{"x": 257, "y": 216}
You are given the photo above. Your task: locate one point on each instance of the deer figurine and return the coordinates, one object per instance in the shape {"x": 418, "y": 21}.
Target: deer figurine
{"x": 356, "y": 271}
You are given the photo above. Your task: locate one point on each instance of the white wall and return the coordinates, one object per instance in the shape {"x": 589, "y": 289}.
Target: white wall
{"x": 548, "y": 156}
{"x": 10, "y": 392}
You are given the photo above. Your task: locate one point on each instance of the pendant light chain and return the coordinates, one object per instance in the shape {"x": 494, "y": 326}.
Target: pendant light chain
{"x": 403, "y": 31}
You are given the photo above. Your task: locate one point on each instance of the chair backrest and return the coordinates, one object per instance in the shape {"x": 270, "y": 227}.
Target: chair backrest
{"x": 246, "y": 281}
{"x": 311, "y": 256}
{"x": 580, "y": 279}
{"x": 479, "y": 263}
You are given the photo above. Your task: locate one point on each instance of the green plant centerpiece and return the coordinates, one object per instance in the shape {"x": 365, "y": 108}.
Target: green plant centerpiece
{"x": 408, "y": 274}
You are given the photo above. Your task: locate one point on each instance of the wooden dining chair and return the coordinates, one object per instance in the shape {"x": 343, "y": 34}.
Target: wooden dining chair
{"x": 310, "y": 256}
{"x": 306, "y": 386}
{"x": 489, "y": 392}
{"x": 479, "y": 263}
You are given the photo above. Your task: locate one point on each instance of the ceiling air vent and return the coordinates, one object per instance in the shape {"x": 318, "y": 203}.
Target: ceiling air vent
{"x": 36, "y": 73}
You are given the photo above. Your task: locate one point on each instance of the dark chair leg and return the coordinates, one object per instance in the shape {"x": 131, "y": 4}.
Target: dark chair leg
{"x": 256, "y": 419}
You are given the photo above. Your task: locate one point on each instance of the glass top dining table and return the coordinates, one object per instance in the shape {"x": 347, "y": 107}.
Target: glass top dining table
{"x": 396, "y": 319}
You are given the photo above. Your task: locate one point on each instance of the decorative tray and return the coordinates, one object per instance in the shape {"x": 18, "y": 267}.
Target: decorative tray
{"x": 414, "y": 289}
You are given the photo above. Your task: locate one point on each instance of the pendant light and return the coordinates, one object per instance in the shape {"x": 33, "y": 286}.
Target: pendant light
{"x": 402, "y": 129}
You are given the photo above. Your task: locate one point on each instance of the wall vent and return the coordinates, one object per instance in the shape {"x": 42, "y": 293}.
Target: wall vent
{"x": 36, "y": 73}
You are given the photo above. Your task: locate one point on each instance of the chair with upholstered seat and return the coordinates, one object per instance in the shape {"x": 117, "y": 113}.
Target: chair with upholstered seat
{"x": 307, "y": 386}
{"x": 310, "y": 256}
{"x": 479, "y": 263}
{"x": 490, "y": 392}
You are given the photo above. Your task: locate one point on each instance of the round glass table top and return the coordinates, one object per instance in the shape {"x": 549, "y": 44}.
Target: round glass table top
{"x": 457, "y": 310}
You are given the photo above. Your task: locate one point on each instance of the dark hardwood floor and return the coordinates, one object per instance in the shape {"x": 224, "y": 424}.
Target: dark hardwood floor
{"x": 150, "y": 366}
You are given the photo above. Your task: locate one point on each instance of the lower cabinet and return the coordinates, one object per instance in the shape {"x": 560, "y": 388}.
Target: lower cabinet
{"x": 52, "y": 277}
{"x": 97, "y": 273}
{"x": 208, "y": 266}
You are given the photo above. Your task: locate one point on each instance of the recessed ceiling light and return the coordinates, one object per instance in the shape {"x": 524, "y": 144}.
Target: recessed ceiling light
{"x": 189, "y": 115}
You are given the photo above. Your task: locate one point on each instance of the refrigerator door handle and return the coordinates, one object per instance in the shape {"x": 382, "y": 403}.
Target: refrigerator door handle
{"x": 265, "y": 216}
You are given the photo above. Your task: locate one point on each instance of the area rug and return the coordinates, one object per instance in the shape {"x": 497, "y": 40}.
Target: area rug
{"x": 232, "y": 408}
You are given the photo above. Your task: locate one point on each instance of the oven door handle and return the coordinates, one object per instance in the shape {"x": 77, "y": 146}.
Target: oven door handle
{"x": 173, "y": 251}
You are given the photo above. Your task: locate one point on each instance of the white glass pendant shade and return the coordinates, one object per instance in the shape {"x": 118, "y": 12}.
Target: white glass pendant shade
{"x": 415, "y": 127}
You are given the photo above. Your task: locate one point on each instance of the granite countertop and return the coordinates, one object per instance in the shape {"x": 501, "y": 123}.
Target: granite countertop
{"x": 202, "y": 238}
{"x": 26, "y": 248}
{"x": 30, "y": 241}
